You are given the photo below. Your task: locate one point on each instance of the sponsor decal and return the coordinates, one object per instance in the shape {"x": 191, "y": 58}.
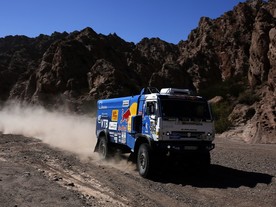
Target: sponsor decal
{"x": 123, "y": 137}
{"x": 99, "y": 119}
{"x": 146, "y": 127}
{"x": 115, "y": 114}
{"x": 125, "y": 103}
{"x": 131, "y": 111}
{"x": 104, "y": 123}
{"x": 105, "y": 115}
{"x": 125, "y": 115}
{"x": 115, "y": 137}
{"x": 101, "y": 105}
{"x": 112, "y": 125}
{"x": 122, "y": 128}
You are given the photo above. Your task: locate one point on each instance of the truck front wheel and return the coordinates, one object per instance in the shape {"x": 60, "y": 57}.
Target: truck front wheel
{"x": 144, "y": 160}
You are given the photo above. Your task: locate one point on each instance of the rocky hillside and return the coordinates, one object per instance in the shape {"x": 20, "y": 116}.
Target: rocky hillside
{"x": 231, "y": 58}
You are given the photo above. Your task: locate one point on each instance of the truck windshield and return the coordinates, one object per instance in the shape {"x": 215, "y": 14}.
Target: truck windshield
{"x": 185, "y": 109}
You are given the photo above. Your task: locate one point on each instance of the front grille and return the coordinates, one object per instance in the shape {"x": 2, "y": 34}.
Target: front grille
{"x": 186, "y": 134}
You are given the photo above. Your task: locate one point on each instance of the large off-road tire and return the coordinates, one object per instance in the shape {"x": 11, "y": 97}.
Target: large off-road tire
{"x": 145, "y": 160}
{"x": 103, "y": 148}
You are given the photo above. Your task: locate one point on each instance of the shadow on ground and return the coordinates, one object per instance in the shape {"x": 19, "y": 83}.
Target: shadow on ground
{"x": 217, "y": 177}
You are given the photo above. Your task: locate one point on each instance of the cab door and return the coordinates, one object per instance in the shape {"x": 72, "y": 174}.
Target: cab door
{"x": 150, "y": 118}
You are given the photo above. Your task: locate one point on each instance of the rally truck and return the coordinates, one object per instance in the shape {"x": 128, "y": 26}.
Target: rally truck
{"x": 153, "y": 126}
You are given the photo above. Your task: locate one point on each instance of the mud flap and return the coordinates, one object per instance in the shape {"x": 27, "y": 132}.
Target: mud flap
{"x": 96, "y": 149}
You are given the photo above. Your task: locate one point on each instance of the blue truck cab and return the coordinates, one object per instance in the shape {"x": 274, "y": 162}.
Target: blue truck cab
{"x": 155, "y": 125}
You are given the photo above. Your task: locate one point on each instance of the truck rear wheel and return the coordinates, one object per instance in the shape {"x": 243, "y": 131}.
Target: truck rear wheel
{"x": 144, "y": 160}
{"x": 103, "y": 148}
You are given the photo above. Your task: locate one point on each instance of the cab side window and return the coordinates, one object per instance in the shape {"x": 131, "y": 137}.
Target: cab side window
{"x": 150, "y": 108}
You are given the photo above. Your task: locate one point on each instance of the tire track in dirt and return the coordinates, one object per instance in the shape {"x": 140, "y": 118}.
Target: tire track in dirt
{"x": 50, "y": 166}
{"x": 81, "y": 182}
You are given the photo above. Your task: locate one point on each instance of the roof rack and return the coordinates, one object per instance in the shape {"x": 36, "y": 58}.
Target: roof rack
{"x": 176, "y": 91}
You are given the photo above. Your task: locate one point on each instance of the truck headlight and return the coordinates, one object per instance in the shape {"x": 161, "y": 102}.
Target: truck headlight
{"x": 209, "y": 136}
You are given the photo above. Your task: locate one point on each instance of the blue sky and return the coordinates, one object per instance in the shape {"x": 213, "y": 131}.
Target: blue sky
{"x": 132, "y": 20}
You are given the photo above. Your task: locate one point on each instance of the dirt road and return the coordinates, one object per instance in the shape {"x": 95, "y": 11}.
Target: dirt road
{"x": 35, "y": 174}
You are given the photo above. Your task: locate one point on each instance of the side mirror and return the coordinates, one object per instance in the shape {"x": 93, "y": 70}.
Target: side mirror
{"x": 153, "y": 117}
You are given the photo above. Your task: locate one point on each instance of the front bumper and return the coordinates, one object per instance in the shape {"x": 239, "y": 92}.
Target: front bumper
{"x": 180, "y": 147}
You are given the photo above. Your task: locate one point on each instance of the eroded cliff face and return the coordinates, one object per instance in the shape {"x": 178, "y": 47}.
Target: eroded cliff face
{"x": 262, "y": 75}
{"x": 78, "y": 68}
{"x": 239, "y": 45}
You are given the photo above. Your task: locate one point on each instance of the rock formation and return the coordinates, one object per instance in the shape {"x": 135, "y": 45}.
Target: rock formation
{"x": 233, "y": 56}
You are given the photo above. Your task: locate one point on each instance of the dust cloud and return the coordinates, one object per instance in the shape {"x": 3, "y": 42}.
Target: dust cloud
{"x": 70, "y": 132}
{"x": 67, "y": 131}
